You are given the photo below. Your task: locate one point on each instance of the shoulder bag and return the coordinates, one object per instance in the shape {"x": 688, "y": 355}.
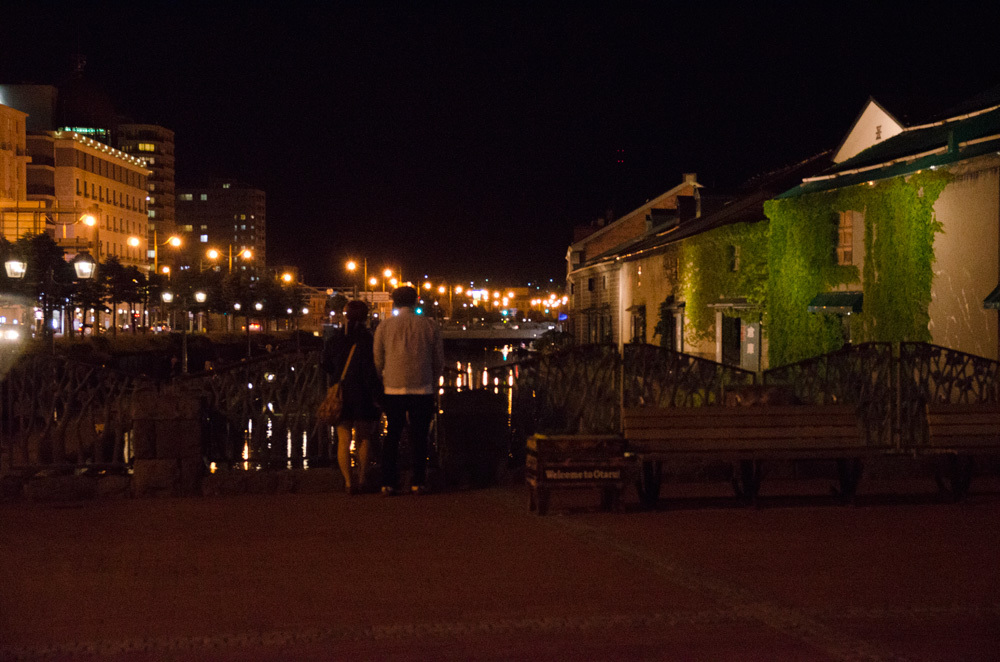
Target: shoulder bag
{"x": 333, "y": 403}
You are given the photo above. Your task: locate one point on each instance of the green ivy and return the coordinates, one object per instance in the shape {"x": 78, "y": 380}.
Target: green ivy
{"x": 708, "y": 274}
{"x": 899, "y": 253}
{"x": 899, "y": 250}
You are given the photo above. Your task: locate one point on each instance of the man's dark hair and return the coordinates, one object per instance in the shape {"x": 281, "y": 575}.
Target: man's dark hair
{"x": 404, "y": 297}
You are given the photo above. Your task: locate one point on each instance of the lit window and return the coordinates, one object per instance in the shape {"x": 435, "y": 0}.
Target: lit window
{"x": 152, "y": 201}
{"x": 243, "y": 227}
{"x": 225, "y": 186}
{"x": 845, "y": 238}
{"x": 243, "y": 217}
{"x": 203, "y": 196}
{"x": 147, "y": 147}
{"x": 187, "y": 196}
{"x": 152, "y": 213}
{"x": 151, "y": 160}
{"x": 203, "y": 238}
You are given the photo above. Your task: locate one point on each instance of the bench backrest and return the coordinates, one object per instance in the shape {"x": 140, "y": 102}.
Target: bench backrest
{"x": 963, "y": 425}
{"x": 771, "y": 427}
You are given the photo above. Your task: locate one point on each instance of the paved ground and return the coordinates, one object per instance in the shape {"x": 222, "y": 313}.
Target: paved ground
{"x": 471, "y": 575}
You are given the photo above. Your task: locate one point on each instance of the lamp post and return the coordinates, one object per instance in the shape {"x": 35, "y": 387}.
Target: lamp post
{"x": 173, "y": 241}
{"x": 352, "y": 266}
{"x": 243, "y": 253}
{"x": 168, "y": 298}
{"x": 83, "y": 267}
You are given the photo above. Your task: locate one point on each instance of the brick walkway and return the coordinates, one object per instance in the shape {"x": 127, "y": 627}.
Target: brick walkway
{"x": 470, "y": 575}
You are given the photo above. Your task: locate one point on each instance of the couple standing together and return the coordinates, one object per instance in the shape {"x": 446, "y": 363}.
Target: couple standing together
{"x": 397, "y": 369}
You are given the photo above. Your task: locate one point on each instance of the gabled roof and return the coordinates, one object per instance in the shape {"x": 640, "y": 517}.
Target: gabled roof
{"x": 873, "y": 124}
{"x": 927, "y": 146}
{"x": 748, "y": 208}
{"x": 640, "y": 209}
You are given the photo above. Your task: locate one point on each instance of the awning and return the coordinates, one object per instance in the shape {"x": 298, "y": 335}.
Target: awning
{"x": 839, "y": 303}
{"x": 735, "y": 303}
{"x": 992, "y": 300}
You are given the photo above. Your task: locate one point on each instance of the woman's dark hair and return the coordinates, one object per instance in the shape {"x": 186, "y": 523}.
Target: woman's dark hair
{"x": 356, "y": 311}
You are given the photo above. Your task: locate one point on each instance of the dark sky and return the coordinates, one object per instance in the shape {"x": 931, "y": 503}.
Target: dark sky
{"x": 465, "y": 140}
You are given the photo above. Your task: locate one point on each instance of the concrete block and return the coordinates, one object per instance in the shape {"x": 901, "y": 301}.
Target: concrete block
{"x": 144, "y": 438}
{"x": 111, "y": 487}
{"x": 317, "y": 481}
{"x": 155, "y": 478}
{"x": 178, "y": 438}
{"x": 60, "y": 488}
{"x": 191, "y": 472}
{"x": 224, "y": 483}
{"x": 262, "y": 482}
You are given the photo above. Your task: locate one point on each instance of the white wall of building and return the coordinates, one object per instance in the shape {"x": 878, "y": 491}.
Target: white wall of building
{"x": 967, "y": 265}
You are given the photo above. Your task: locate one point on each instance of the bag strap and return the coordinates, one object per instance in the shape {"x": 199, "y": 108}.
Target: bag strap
{"x": 348, "y": 364}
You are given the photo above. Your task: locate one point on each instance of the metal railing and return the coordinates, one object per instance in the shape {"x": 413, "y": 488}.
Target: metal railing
{"x": 260, "y": 413}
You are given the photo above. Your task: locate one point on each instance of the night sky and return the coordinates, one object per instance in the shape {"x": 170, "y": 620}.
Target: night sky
{"x": 466, "y": 140}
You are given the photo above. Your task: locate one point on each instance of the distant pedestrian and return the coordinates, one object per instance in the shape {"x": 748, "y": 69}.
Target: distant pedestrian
{"x": 361, "y": 388}
{"x": 410, "y": 358}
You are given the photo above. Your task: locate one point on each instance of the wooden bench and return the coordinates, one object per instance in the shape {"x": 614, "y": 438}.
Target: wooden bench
{"x": 961, "y": 431}
{"x": 575, "y": 461}
{"x": 747, "y": 435}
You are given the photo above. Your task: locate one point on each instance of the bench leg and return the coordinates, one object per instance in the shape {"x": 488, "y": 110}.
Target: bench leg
{"x": 746, "y": 480}
{"x": 648, "y": 486}
{"x": 849, "y": 472}
{"x": 955, "y": 478}
{"x": 542, "y": 500}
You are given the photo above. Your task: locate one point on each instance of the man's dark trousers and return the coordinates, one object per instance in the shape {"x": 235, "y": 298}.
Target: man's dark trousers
{"x": 420, "y": 409}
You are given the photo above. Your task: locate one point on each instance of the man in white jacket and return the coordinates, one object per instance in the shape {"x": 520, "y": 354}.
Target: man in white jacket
{"x": 410, "y": 357}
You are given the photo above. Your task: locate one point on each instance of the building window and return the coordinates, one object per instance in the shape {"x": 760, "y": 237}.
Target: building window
{"x": 225, "y": 186}
{"x": 203, "y": 238}
{"x": 639, "y": 324}
{"x": 187, "y": 196}
{"x": 590, "y": 284}
{"x": 734, "y": 258}
{"x": 203, "y": 196}
{"x": 845, "y": 238}
{"x": 152, "y": 213}
{"x": 147, "y": 147}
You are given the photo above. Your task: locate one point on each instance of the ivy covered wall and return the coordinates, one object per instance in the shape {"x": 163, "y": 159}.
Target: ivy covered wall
{"x": 708, "y": 273}
{"x": 899, "y": 229}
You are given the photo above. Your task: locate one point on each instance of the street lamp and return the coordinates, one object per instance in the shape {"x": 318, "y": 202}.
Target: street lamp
{"x": 84, "y": 268}
{"x": 173, "y": 241}
{"x": 352, "y": 266}
{"x": 244, "y": 254}
{"x": 168, "y": 298}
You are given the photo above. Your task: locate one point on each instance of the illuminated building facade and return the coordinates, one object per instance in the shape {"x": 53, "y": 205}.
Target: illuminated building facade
{"x": 78, "y": 179}
{"x": 155, "y": 145}
{"x": 14, "y": 206}
{"x": 227, "y": 215}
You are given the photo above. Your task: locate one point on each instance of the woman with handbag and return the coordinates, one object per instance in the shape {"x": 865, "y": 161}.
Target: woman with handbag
{"x": 348, "y": 357}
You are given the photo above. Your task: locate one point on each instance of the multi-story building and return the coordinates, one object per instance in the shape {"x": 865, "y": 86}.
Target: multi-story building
{"x": 94, "y": 196}
{"x": 228, "y": 216}
{"x": 77, "y": 187}
{"x": 155, "y": 145}
{"x": 15, "y": 210}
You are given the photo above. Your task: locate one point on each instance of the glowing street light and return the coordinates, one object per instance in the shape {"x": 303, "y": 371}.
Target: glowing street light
{"x": 244, "y": 254}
